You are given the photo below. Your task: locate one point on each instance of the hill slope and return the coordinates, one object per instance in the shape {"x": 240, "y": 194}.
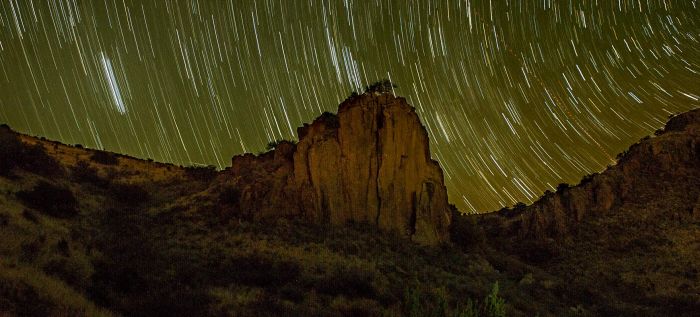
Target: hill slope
{"x": 85, "y": 232}
{"x": 629, "y": 235}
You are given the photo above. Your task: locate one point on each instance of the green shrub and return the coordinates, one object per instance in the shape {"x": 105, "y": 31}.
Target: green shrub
{"x": 494, "y": 306}
{"x": 418, "y": 304}
{"x": 50, "y": 199}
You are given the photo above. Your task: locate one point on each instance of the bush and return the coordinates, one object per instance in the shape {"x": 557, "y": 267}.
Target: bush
{"x": 273, "y": 144}
{"x": 83, "y": 173}
{"x": 331, "y": 120}
{"x": 257, "y": 270}
{"x": 32, "y": 158}
{"x": 561, "y": 187}
{"x": 36, "y": 160}
{"x": 11, "y": 149}
{"x": 201, "y": 173}
{"x": 129, "y": 194}
{"x": 4, "y": 219}
{"x": 587, "y": 179}
{"x": 104, "y": 157}
{"x": 30, "y": 215}
{"x": 353, "y": 282}
{"x": 465, "y": 231}
{"x": 494, "y": 306}
{"x": 50, "y": 199}
{"x": 230, "y": 196}
{"x": 418, "y": 304}
{"x": 382, "y": 86}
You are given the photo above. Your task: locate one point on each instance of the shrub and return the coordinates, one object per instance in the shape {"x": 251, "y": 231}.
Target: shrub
{"x": 36, "y": 160}
{"x": 230, "y": 196}
{"x": 129, "y": 194}
{"x": 331, "y": 119}
{"x": 382, "y": 86}
{"x": 104, "y": 157}
{"x": 30, "y": 215}
{"x": 351, "y": 281}
{"x": 257, "y": 270}
{"x": 519, "y": 207}
{"x": 494, "y": 306}
{"x": 273, "y": 144}
{"x": 82, "y": 172}
{"x": 50, "y": 199}
{"x": 418, "y": 304}
{"x": 31, "y": 158}
{"x": 4, "y": 219}
{"x": 201, "y": 173}
{"x": 587, "y": 179}
{"x": 74, "y": 271}
{"x": 561, "y": 187}
{"x": 11, "y": 149}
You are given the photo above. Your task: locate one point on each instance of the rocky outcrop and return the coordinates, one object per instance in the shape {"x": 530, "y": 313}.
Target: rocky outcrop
{"x": 370, "y": 163}
{"x": 664, "y": 169}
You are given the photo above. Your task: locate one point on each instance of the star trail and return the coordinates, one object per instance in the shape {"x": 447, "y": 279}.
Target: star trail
{"x": 517, "y": 96}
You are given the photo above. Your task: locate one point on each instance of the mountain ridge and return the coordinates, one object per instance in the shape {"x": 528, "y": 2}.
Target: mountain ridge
{"x": 120, "y": 235}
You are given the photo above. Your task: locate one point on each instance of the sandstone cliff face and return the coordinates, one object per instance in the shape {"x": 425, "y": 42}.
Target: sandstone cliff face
{"x": 369, "y": 163}
{"x": 651, "y": 171}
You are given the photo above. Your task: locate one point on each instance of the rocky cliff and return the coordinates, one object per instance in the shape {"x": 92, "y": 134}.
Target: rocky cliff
{"x": 661, "y": 172}
{"x": 370, "y": 163}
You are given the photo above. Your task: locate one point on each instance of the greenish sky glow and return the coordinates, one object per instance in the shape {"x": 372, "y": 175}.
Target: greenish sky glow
{"x": 517, "y": 96}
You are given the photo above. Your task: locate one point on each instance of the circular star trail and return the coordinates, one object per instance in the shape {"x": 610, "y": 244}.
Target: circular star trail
{"x": 517, "y": 96}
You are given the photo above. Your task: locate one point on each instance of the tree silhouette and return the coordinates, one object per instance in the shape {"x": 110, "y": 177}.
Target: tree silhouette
{"x": 382, "y": 86}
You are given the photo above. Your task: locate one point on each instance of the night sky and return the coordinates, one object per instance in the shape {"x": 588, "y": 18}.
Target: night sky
{"x": 517, "y": 96}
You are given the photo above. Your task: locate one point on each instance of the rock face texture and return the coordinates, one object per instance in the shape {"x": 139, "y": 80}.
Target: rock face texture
{"x": 370, "y": 163}
{"x": 662, "y": 170}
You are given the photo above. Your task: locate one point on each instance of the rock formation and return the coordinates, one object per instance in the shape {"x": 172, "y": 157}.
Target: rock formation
{"x": 661, "y": 169}
{"x": 370, "y": 163}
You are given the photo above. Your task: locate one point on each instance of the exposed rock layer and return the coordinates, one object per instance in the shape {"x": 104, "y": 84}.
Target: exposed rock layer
{"x": 651, "y": 171}
{"x": 369, "y": 163}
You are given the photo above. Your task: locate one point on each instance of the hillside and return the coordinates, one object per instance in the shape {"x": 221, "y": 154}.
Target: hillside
{"x": 628, "y": 236}
{"x": 89, "y": 233}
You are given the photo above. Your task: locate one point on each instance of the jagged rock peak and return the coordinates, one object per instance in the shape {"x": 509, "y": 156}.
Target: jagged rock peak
{"x": 369, "y": 163}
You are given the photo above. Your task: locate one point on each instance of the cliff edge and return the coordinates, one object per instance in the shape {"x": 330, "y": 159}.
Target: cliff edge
{"x": 370, "y": 163}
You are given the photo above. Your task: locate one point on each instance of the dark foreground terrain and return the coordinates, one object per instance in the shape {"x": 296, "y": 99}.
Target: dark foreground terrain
{"x": 92, "y": 233}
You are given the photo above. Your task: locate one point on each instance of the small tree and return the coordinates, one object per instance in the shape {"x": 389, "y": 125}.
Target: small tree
{"x": 382, "y": 86}
{"x": 273, "y": 144}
